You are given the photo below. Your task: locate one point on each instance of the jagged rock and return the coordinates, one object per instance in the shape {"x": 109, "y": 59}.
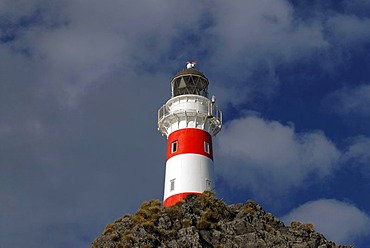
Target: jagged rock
{"x": 206, "y": 221}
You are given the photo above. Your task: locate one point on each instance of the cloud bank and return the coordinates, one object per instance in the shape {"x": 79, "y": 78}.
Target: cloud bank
{"x": 358, "y": 154}
{"x": 271, "y": 157}
{"x": 350, "y": 100}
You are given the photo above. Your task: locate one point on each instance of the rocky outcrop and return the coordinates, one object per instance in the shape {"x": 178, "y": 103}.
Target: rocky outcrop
{"x": 206, "y": 221}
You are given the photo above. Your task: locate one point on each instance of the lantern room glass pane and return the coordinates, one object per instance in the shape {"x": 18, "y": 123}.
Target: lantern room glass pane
{"x": 190, "y": 84}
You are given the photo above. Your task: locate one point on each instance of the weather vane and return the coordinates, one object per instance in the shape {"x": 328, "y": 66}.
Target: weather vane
{"x": 190, "y": 64}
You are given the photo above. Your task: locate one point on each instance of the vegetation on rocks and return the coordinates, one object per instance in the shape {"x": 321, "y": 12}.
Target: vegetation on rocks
{"x": 205, "y": 221}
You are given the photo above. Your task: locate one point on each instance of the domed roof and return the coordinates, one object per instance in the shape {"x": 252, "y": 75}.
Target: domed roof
{"x": 188, "y": 71}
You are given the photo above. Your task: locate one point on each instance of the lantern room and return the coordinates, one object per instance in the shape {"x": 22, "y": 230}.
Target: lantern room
{"x": 189, "y": 81}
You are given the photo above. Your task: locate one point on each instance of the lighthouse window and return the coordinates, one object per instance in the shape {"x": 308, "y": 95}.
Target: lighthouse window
{"x": 174, "y": 146}
{"x": 208, "y": 184}
{"x": 172, "y": 185}
{"x": 206, "y": 147}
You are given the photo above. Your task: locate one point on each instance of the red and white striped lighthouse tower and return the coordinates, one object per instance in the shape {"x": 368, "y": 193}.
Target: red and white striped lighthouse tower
{"x": 189, "y": 120}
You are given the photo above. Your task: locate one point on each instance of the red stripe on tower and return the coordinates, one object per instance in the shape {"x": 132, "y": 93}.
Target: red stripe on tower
{"x": 189, "y": 140}
{"x": 176, "y": 198}
{"x": 189, "y": 120}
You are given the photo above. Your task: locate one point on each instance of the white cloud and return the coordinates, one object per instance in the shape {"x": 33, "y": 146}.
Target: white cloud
{"x": 85, "y": 42}
{"x": 339, "y": 221}
{"x": 267, "y": 151}
{"x": 358, "y": 153}
{"x": 349, "y": 29}
{"x": 350, "y": 100}
{"x": 265, "y": 30}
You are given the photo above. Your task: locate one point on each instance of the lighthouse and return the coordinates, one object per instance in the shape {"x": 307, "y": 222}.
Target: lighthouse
{"x": 189, "y": 120}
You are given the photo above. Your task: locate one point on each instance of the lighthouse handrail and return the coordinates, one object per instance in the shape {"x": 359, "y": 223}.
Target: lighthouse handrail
{"x": 213, "y": 111}
{"x": 162, "y": 112}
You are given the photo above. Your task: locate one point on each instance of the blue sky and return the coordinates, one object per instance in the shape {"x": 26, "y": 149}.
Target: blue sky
{"x": 81, "y": 83}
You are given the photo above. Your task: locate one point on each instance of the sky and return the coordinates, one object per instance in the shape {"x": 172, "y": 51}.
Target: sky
{"x": 81, "y": 83}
